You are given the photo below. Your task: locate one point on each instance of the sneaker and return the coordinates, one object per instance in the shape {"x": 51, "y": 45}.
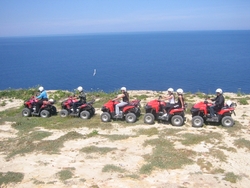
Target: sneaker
{"x": 165, "y": 115}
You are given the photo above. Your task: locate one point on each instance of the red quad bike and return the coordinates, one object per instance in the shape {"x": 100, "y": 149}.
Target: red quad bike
{"x": 130, "y": 111}
{"x": 46, "y": 110}
{"x": 154, "y": 111}
{"x": 200, "y": 113}
{"x": 85, "y": 111}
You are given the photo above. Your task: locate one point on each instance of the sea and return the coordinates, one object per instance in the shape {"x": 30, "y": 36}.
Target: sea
{"x": 196, "y": 61}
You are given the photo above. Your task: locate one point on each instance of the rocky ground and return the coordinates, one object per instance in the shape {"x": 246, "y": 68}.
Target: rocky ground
{"x": 41, "y": 169}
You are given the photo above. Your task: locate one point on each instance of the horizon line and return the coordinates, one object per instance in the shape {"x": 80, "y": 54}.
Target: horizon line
{"x": 122, "y": 32}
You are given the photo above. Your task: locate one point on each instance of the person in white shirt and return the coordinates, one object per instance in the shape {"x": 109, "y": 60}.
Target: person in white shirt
{"x": 170, "y": 103}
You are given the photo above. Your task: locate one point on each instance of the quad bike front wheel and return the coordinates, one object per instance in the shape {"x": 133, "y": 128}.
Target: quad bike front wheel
{"x": 149, "y": 118}
{"x": 105, "y": 117}
{"x": 138, "y": 113}
{"x": 227, "y": 121}
{"x": 130, "y": 118}
{"x": 26, "y": 112}
{"x": 53, "y": 111}
{"x": 85, "y": 114}
{"x": 92, "y": 111}
{"x": 197, "y": 121}
{"x": 177, "y": 120}
{"x": 64, "y": 113}
{"x": 44, "y": 114}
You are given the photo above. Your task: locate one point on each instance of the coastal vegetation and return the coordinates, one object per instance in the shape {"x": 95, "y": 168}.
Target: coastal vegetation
{"x": 163, "y": 147}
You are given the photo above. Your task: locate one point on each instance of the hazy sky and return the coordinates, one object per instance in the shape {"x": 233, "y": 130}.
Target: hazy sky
{"x": 50, "y": 17}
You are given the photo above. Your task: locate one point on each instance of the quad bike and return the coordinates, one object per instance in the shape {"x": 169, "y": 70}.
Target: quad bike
{"x": 154, "y": 111}
{"x": 85, "y": 111}
{"x": 47, "y": 109}
{"x": 129, "y": 112}
{"x": 200, "y": 113}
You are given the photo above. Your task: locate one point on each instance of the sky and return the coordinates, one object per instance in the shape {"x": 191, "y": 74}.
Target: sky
{"x": 64, "y": 17}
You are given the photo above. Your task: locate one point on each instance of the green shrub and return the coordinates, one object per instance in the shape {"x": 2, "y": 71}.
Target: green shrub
{"x": 140, "y": 97}
{"x": 23, "y": 94}
{"x": 94, "y": 149}
{"x": 149, "y": 132}
{"x": 93, "y": 133}
{"x": 25, "y": 144}
{"x": 65, "y": 174}
{"x": 10, "y": 177}
{"x": 165, "y": 156}
{"x": 243, "y": 101}
{"x": 3, "y": 103}
{"x": 114, "y": 137}
{"x": 201, "y": 95}
{"x": 231, "y": 177}
{"x": 242, "y": 142}
{"x": 192, "y": 139}
{"x": 112, "y": 168}
{"x": 59, "y": 94}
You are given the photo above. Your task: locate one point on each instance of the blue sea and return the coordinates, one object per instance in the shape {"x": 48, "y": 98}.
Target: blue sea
{"x": 193, "y": 60}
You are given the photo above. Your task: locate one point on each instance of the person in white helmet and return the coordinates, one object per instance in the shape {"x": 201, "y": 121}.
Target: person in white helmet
{"x": 171, "y": 101}
{"x": 124, "y": 97}
{"x": 218, "y": 102}
{"x": 81, "y": 97}
{"x": 180, "y": 102}
{"x": 41, "y": 97}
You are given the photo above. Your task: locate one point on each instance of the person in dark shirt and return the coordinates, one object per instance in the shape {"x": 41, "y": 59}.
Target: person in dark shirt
{"x": 180, "y": 103}
{"x": 124, "y": 96}
{"x": 218, "y": 102}
{"x": 82, "y": 99}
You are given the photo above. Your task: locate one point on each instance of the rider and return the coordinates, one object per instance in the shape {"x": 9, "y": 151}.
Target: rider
{"x": 180, "y": 102}
{"x": 82, "y": 99}
{"x": 170, "y": 102}
{"x": 218, "y": 102}
{"x": 42, "y": 97}
{"x": 125, "y": 100}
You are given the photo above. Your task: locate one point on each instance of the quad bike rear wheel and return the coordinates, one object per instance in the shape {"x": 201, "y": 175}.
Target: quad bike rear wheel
{"x": 197, "y": 121}
{"x": 105, "y": 117}
{"x": 44, "y": 114}
{"x": 130, "y": 118}
{"x": 64, "y": 113}
{"x": 227, "y": 121}
{"x": 177, "y": 120}
{"x": 26, "y": 112}
{"x": 149, "y": 118}
{"x": 85, "y": 114}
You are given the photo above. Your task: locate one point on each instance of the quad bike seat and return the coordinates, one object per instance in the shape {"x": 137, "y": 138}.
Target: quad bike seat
{"x": 177, "y": 106}
{"x": 129, "y": 104}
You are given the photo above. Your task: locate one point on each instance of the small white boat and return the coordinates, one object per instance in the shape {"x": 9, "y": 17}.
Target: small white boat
{"x": 94, "y": 72}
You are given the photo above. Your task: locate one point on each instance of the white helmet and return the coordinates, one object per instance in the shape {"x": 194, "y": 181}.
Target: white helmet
{"x": 171, "y": 90}
{"x": 40, "y": 89}
{"x": 80, "y": 89}
{"x": 219, "y": 90}
{"x": 179, "y": 91}
{"x": 51, "y": 100}
{"x": 123, "y": 89}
